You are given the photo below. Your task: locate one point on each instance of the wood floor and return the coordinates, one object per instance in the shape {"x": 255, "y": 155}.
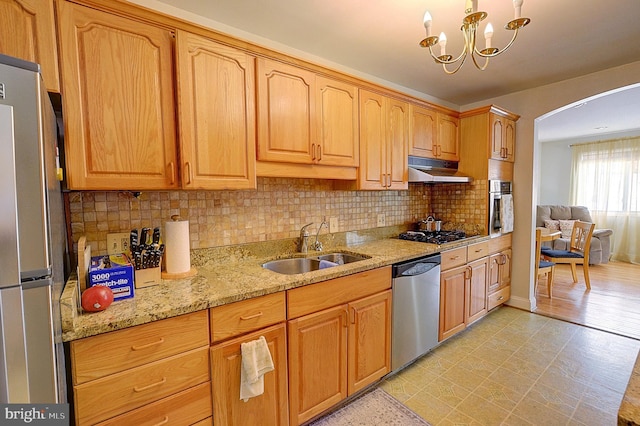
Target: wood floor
{"x": 612, "y": 305}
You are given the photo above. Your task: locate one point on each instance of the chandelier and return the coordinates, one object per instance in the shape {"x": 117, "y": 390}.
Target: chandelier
{"x": 470, "y": 25}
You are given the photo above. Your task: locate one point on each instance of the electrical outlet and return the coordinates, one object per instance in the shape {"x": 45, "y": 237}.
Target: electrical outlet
{"x": 380, "y": 219}
{"x": 333, "y": 224}
{"x": 118, "y": 242}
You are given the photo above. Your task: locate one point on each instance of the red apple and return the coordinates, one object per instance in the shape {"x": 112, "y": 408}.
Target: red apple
{"x": 97, "y": 298}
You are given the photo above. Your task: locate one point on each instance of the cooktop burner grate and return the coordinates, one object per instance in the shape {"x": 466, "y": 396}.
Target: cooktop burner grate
{"x": 433, "y": 237}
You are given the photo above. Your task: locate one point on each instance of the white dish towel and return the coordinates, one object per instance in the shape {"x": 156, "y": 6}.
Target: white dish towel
{"x": 256, "y": 361}
{"x": 506, "y": 213}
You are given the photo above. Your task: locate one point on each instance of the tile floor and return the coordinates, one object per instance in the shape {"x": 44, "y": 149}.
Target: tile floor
{"x": 518, "y": 368}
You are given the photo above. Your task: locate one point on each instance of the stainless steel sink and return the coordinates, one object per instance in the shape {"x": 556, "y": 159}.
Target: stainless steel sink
{"x": 299, "y": 265}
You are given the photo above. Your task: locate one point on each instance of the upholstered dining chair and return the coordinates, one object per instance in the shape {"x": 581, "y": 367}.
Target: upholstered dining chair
{"x": 578, "y": 251}
{"x": 543, "y": 266}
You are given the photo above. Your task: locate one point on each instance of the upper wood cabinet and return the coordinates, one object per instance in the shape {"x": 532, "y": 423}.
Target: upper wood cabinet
{"x": 384, "y": 142}
{"x": 28, "y": 32}
{"x": 305, "y": 118}
{"x": 118, "y": 91}
{"x": 487, "y": 143}
{"x": 502, "y": 138}
{"x": 448, "y": 137}
{"x": 216, "y": 110}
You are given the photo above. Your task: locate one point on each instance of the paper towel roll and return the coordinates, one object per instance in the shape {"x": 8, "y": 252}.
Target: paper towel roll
{"x": 177, "y": 256}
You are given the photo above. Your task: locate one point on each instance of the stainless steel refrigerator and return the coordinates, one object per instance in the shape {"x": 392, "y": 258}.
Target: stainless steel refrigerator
{"x": 32, "y": 240}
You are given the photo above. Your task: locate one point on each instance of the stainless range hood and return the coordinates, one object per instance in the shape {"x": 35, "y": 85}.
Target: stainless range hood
{"x": 428, "y": 170}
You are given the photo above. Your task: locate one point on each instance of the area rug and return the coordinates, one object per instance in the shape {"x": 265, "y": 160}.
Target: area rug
{"x": 374, "y": 408}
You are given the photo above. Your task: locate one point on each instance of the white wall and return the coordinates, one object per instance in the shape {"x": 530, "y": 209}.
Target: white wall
{"x": 555, "y": 173}
{"x": 531, "y": 104}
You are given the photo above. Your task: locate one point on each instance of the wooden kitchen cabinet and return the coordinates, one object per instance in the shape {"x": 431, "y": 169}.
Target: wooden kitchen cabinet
{"x": 117, "y": 78}
{"x": 143, "y": 372}
{"x": 270, "y": 408}
{"x": 463, "y": 288}
{"x": 434, "y": 134}
{"x": 339, "y": 336}
{"x": 487, "y": 143}
{"x": 305, "y": 118}
{"x": 28, "y": 32}
{"x": 499, "y": 288}
{"x": 384, "y": 142}
{"x": 216, "y": 114}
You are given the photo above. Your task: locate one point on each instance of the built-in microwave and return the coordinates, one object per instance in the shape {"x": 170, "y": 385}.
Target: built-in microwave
{"x": 497, "y": 190}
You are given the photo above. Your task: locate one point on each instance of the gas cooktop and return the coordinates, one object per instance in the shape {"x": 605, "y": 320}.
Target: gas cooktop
{"x": 433, "y": 237}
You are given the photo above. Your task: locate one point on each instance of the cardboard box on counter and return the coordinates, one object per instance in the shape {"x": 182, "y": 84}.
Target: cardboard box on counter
{"x": 114, "y": 271}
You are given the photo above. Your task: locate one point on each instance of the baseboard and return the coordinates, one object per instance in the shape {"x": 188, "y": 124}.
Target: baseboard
{"x": 522, "y": 303}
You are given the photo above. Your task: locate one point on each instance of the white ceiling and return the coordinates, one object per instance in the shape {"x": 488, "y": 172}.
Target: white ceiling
{"x": 379, "y": 39}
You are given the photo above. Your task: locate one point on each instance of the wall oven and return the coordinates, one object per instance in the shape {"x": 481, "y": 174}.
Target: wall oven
{"x": 499, "y": 193}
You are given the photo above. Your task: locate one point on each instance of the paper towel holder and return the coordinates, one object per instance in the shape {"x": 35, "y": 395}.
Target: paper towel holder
{"x": 176, "y": 276}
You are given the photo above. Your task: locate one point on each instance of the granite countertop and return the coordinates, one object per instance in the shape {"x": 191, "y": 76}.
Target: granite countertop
{"x": 230, "y": 274}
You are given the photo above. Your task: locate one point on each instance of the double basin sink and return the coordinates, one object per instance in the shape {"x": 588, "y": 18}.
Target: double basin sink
{"x": 299, "y": 265}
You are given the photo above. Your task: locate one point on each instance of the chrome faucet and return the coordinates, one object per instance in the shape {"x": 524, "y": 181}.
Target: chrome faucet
{"x": 304, "y": 239}
{"x": 317, "y": 246}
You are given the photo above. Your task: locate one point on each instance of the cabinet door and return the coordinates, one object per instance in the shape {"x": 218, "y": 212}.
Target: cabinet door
{"x": 369, "y": 340}
{"x": 452, "y": 301}
{"x": 286, "y": 113}
{"x": 495, "y": 272}
{"x": 226, "y": 361}
{"x": 424, "y": 132}
{"x": 497, "y": 134}
{"x": 317, "y": 362}
{"x": 372, "y": 173}
{"x": 476, "y": 300}
{"x": 216, "y": 107}
{"x": 505, "y": 275}
{"x": 28, "y": 32}
{"x": 397, "y": 144}
{"x": 117, "y": 76}
{"x": 337, "y": 109}
{"x": 448, "y": 137}
{"x": 509, "y": 139}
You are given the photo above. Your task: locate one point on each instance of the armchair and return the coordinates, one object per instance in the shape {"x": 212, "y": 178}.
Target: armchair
{"x": 600, "y": 249}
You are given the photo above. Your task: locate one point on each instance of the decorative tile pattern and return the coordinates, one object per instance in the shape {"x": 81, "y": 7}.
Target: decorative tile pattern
{"x": 553, "y": 373}
{"x": 276, "y": 210}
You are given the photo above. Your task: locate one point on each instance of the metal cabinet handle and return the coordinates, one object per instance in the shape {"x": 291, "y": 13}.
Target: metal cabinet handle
{"x": 313, "y": 152}
{"x": 319, "y": 152}
{"x": 501, "y": 297}
{"x": 148, "y": 345}
{"x": 259, "y": 314}
{"x": 164, "y": 421}
{"x": 353, "y": 315}
{"x": 187, "y": 166}
{"x": 172, "y": 171}
{"x": 152, "y": 385}
{"x": 346, "y": 318}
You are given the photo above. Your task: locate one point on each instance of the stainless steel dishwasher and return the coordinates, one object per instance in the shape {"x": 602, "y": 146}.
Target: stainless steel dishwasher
{"x": 416, "y": 309}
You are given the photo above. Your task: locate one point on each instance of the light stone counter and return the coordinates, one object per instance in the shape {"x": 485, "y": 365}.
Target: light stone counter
{"x": 234, "y": 273}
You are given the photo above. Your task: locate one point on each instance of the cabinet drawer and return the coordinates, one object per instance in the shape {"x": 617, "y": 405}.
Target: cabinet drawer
{"x": 248, "y": 315}
{"x": 315, "y": 297}
{"x": 118, "y": 393}
{"x": 477, "y": 251}
{"x": 453, "y": 258}
{"x": 499, "y": 297}
{"x": 500, "y": 243}
{"x": 184, "y": 408}
{"x": 98, "y": 356}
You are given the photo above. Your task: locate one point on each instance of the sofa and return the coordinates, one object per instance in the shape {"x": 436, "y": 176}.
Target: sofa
{"x": 600, "y": 241}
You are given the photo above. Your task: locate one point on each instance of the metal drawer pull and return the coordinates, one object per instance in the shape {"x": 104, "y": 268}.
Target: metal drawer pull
{"x": 163, "y": 421}
{"x": 148, "y": 345}
{"x": 259, "y": 314}
{"x": 501, "y": 297}
{"x": 152, "y": 385}
{"x": 454, "y": 257}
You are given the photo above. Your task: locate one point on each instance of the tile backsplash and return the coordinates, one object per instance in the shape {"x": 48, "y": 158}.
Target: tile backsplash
{"x": 276, "y": 210}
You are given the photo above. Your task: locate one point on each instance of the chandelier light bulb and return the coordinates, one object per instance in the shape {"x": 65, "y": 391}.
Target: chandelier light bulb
{"x": 488, "y": 33}
{"x": 427, "y": 22}
{"x": 442, "y": 41}
{"x": 517, "y": 5}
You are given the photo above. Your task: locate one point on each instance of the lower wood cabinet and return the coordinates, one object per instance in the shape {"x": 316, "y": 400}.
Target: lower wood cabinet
{"x": 338, "y": 350}
{"x": 463, "y": 289}
{"x": 499, "y": 288}
{"x": 270, "y": 408}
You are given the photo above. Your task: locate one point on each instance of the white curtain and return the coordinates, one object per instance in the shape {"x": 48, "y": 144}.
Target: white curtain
{"x": 606, "y": 178}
